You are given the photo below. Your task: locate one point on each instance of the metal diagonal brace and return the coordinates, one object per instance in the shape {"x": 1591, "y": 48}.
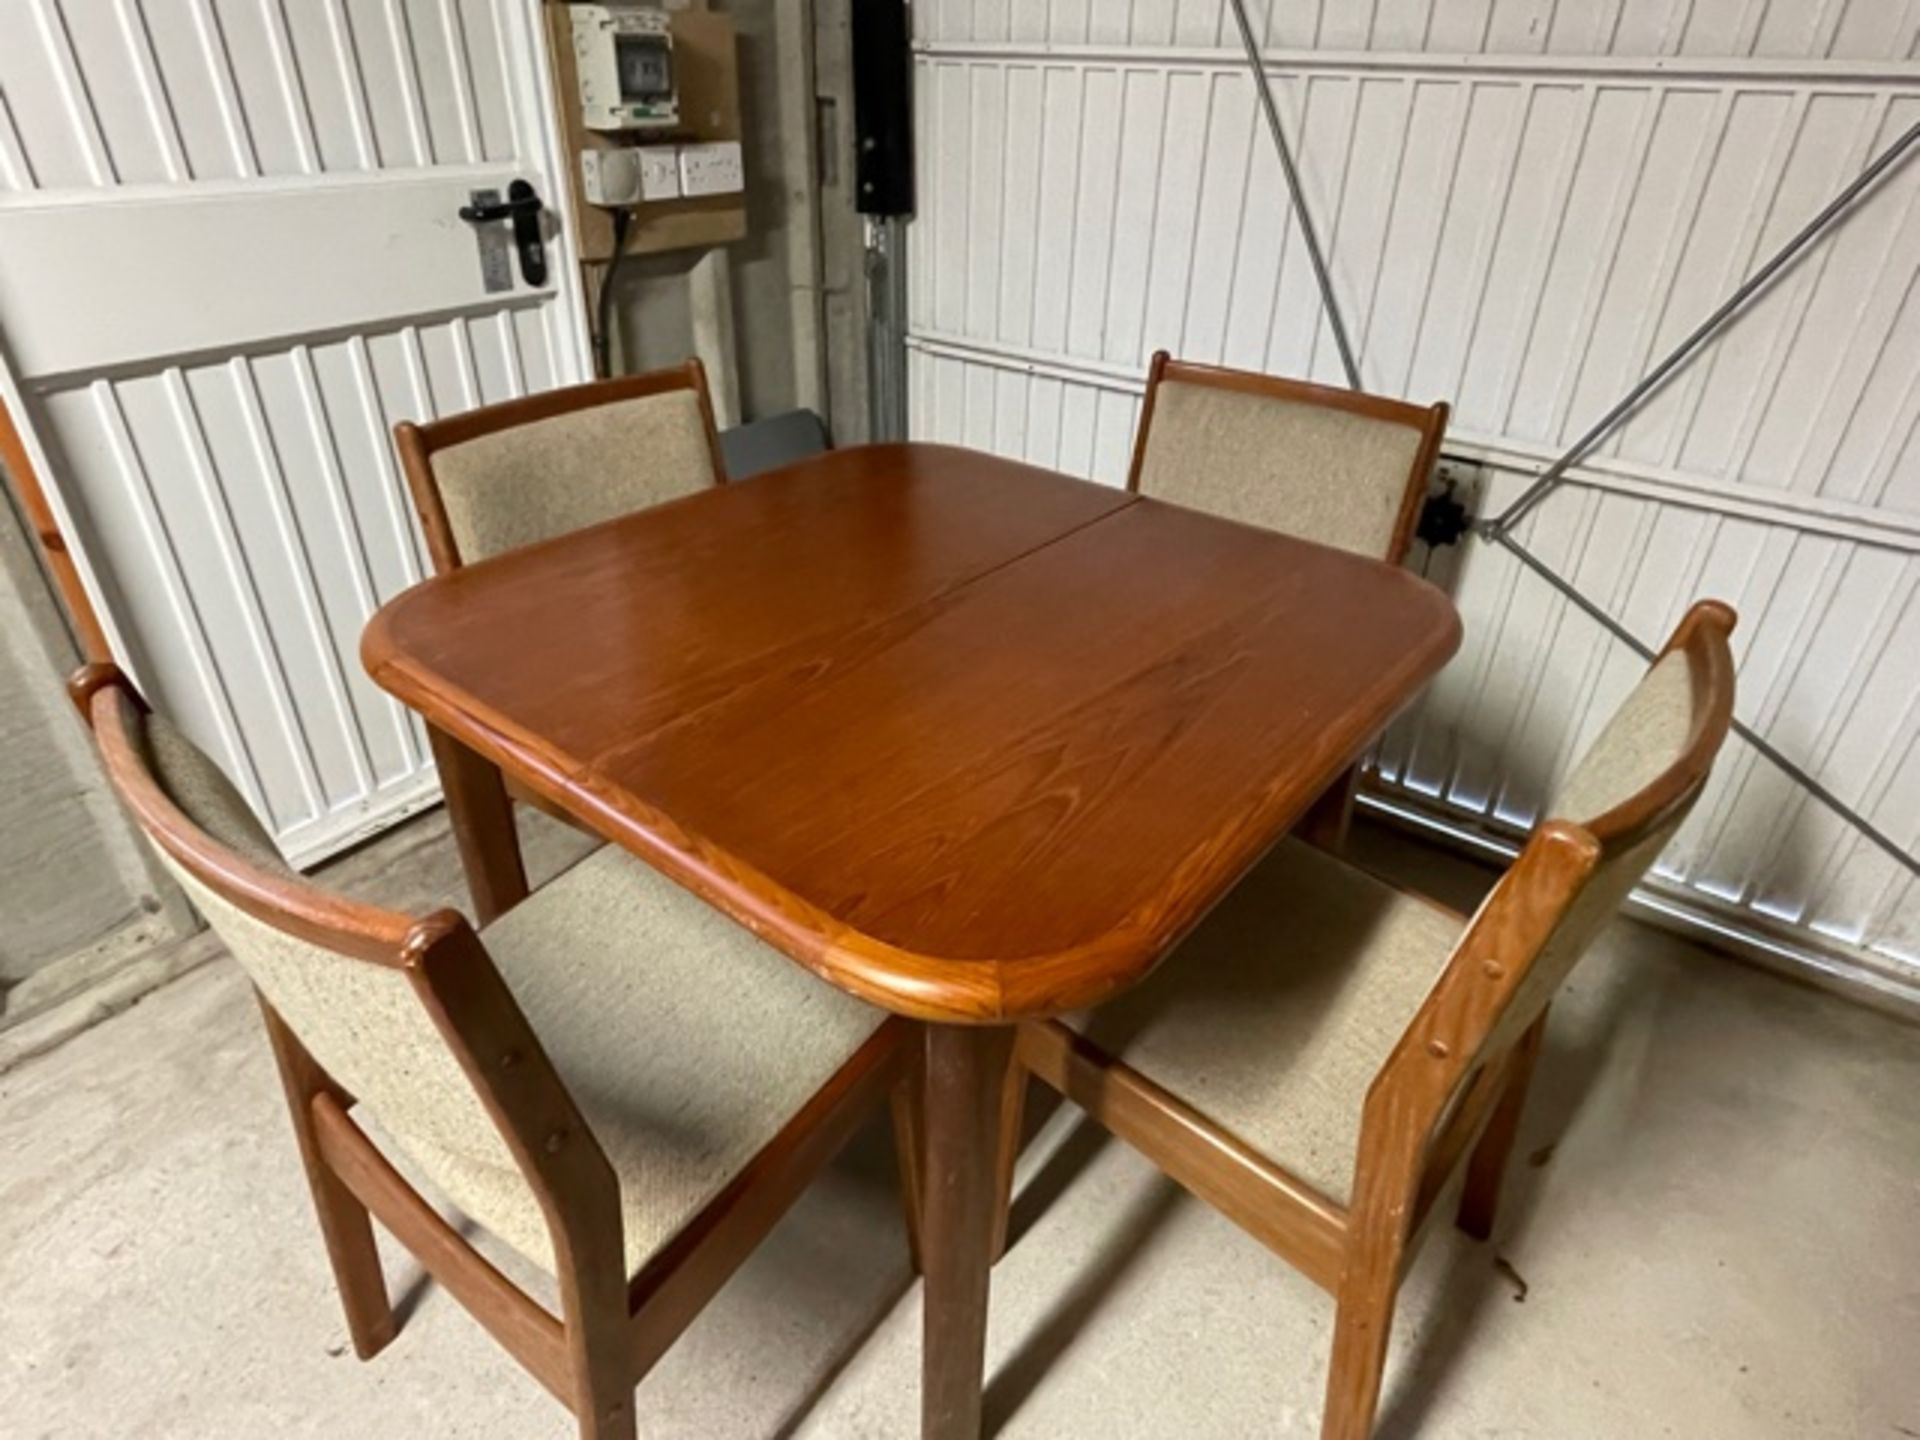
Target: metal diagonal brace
{"x": 1264, "y": 87}
{"x": 1746, "y": 732}
{"x": 1555, "y": 474}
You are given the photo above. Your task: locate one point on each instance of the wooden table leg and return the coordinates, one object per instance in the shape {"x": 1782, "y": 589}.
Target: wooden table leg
{"x": 963, "y": 1085}
{"x": 482, "y": 820}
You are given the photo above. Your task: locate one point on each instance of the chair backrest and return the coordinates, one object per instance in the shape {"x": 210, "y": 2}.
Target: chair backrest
{"x": 356, "y": 984}
{"x": 1615, "y": 813}
{"x": 507, "y": 475}
{"x": 1339, "y": 467}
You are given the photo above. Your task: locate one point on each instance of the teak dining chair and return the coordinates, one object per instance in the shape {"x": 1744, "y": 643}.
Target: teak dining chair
{"x": 622, "y": 1085}
{"x": 1325, "y": 1051}
{"x": 1338, "y": 467}
{"x": 513, "y": 474}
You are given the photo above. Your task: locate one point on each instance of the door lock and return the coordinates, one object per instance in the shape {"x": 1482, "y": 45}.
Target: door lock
{"x": 523, "y": 207}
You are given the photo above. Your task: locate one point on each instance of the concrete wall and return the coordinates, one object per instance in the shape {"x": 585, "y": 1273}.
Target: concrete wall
{"x": 654, "y": 310}
{"x": 76, "y": 893}
{"x": 799, "y": 302}
{"x": 843, "y": 297}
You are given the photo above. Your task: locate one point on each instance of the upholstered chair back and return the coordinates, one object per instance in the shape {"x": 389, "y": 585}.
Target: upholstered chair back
{"x": 362, "y": 1021}
{"x": 509, "y": 475}
{"x": 1629, "y": 794}
{"x": 1332, "y": 466}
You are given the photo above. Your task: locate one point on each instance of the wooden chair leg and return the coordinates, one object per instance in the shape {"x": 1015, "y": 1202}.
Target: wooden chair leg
{"x": 344, "y": 1223}
{"x": 1487, "y": 1169}
{"x": 1362, "y": 1323}
{"x": 909, "y": 1148}
{"x": 603, "y": 1382}
{"x": 1013, "y": 1107}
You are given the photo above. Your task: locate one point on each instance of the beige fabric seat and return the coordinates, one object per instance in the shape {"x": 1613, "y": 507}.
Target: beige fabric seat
{"x": 1337, "y": 467}
{"x": 1274, "y": 1016}
{"x": 686, "y": 1042}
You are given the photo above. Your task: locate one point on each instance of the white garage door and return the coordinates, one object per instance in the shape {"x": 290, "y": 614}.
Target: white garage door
{"x": 230, "y": 260}
{"x": 1526, "y": 204}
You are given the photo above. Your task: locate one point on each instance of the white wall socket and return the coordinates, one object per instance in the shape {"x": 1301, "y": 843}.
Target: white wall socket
{"x": 629, "y": 174}
{"x": 711, "y": 169}
{"x": 610, "y": 177}
{"x": 659, "y": 173}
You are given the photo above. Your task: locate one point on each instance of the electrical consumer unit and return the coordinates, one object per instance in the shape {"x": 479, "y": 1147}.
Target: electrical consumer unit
{"x": 624, "y": 57}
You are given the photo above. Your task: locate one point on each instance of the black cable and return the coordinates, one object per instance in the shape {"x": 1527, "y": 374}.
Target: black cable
{"x": 602, "y": 334}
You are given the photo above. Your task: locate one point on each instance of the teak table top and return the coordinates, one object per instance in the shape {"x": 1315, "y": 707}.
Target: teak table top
{"x": 970, "y": 739}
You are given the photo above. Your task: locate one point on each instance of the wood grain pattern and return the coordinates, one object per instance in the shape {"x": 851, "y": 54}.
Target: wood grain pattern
{"x": 488, "y": 841}
{"x": 1008, "y": 735}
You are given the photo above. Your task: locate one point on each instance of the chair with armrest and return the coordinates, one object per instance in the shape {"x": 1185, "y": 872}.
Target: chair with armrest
{"x": 1326, "y": 1051}
{"x": 612, "y": 1078}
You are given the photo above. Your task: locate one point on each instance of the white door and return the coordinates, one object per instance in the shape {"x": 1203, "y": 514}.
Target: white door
{"x": 230, "y": 260}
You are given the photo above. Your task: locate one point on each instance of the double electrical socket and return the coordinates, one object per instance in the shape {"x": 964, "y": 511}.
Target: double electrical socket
{"x": 636, "y": 174}
{"x": 711, "y": 169}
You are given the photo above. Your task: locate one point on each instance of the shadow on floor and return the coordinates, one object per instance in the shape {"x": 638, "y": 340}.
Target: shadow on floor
{"x": 1016, "y": 1378}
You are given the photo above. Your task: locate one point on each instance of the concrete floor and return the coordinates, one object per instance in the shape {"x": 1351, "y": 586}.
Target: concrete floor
{"x": 1714, "y": 1231}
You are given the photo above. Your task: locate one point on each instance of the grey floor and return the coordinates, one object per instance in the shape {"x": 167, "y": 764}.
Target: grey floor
{"x": 1714, "y": 1231}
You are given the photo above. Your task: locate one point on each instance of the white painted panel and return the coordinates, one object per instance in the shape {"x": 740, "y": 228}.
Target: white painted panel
{"x": 216, "y": 299}
{"x": 1523, "y": 237}
{"x": 407, "y": 252}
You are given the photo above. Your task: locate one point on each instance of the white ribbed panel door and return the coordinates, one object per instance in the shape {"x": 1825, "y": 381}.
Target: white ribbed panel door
{"x": 229, "y": 262}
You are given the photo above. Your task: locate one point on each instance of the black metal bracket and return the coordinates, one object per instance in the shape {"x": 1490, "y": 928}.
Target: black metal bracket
{"x": 1443, "y": 520}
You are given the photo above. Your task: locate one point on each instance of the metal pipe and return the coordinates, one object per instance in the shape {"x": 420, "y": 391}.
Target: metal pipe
{"x": 1320, "y": 273}
{"x": 1555, "y": 474}
{"x": 1746, "y": 732}
{"x": 886, "y": 281}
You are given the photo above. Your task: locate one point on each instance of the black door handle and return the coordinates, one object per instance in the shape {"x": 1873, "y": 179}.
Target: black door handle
{"x": 500, "y": 210}
{"x": 522, "y": 206}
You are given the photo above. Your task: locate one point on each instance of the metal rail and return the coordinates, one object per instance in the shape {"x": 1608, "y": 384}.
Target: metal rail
{"x": 1555, "y": 474}
{"x": 1264, "y": 87}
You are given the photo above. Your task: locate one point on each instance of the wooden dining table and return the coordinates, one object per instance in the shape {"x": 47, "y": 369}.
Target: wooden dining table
{"x": 971, "y": 740}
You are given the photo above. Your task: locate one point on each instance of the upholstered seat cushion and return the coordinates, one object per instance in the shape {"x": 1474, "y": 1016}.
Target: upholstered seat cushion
{"x": 687, "y": 1043}
{"x": 1274, "y": 1016}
